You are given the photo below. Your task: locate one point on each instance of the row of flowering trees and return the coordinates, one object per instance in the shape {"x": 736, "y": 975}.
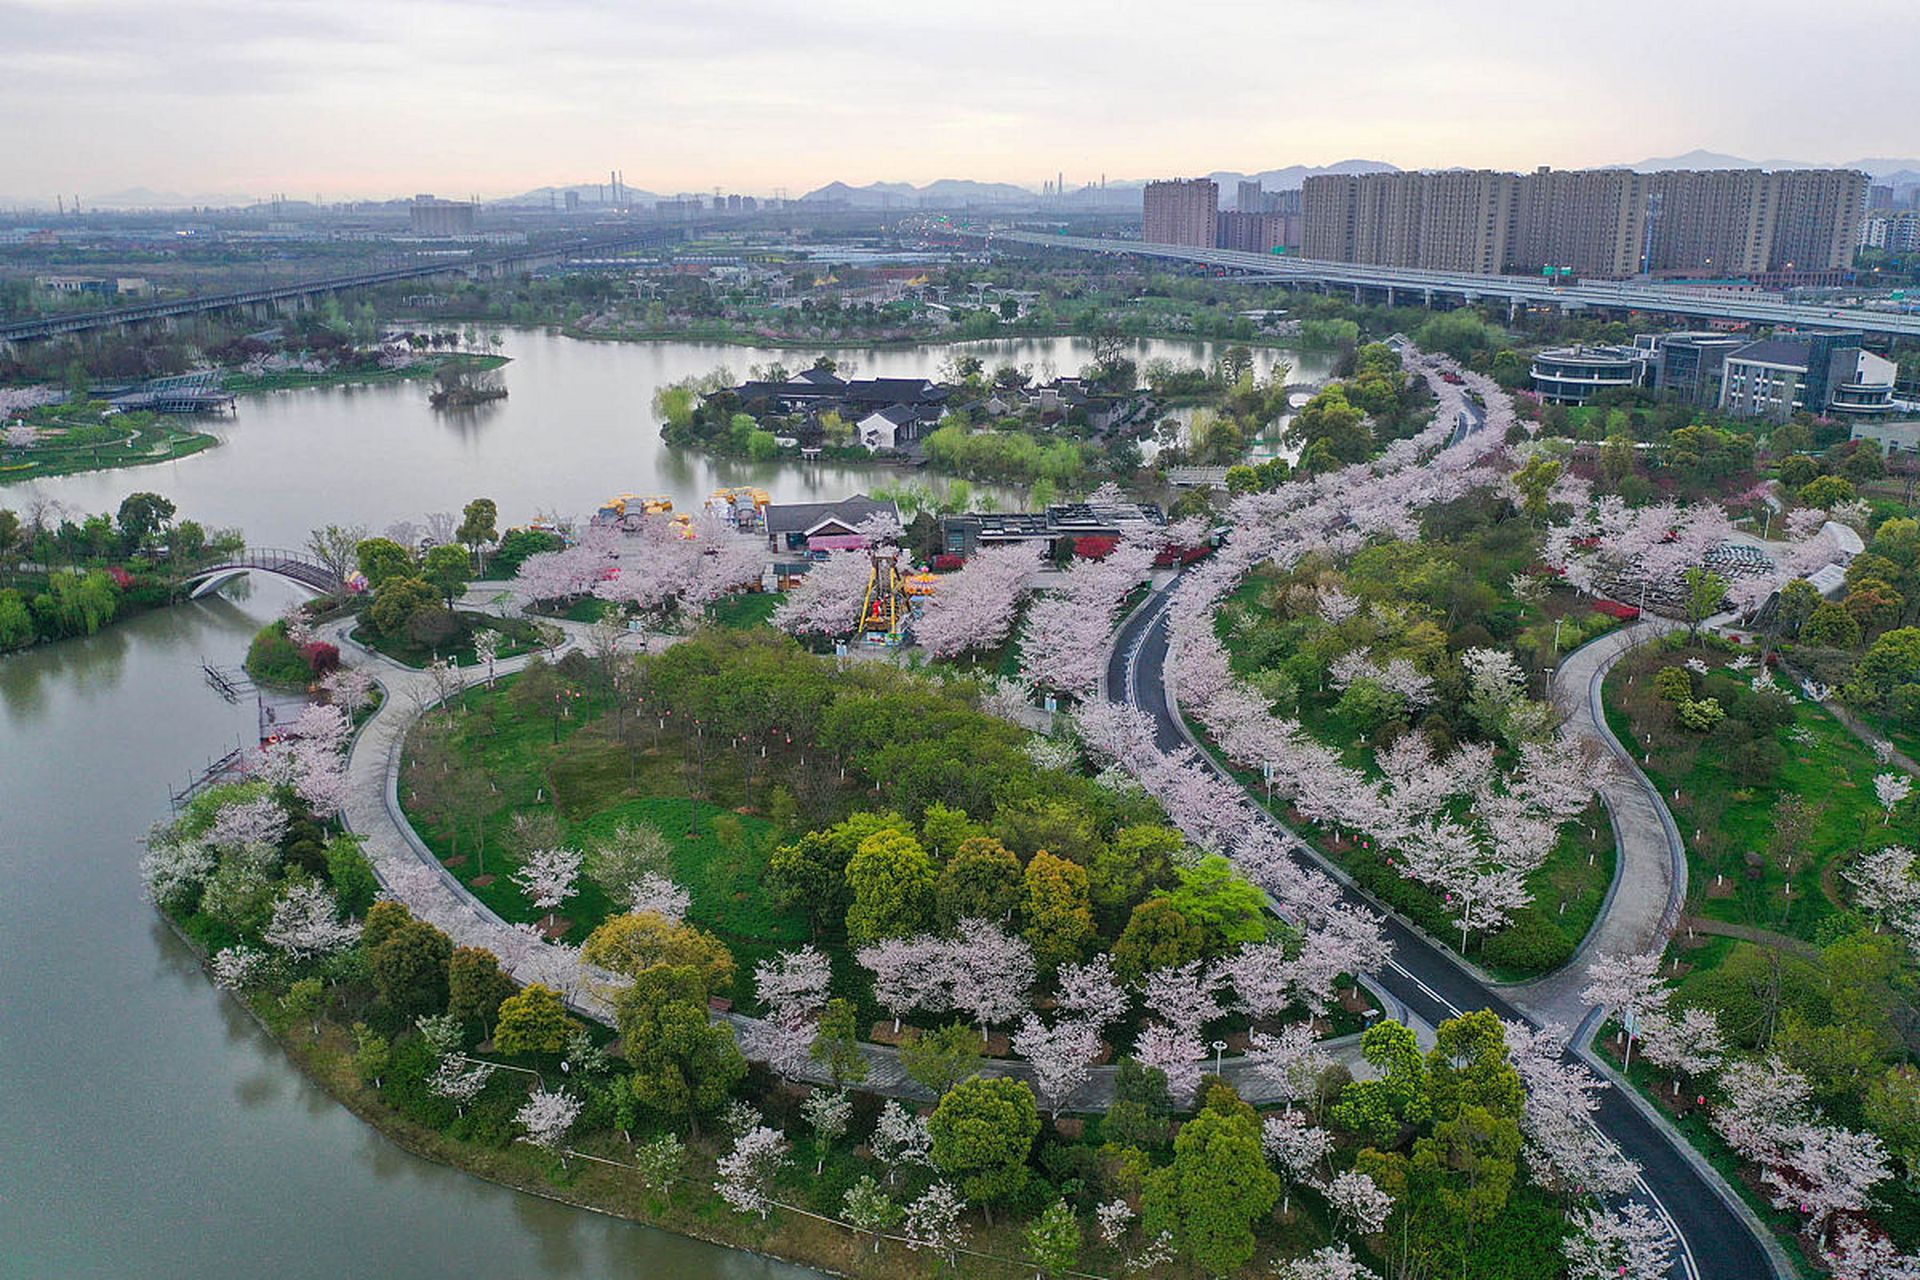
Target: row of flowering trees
{"x": 658, "y": 566}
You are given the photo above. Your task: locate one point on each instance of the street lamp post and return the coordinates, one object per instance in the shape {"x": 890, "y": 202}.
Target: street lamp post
{"x": 1219, "y": 1047}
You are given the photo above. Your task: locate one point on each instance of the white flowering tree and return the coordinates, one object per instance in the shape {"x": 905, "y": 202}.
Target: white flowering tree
{"x": 1290, "y": 1062}
{"x": 549, "y": 877}
{"x": 1092, "y": 992}
{"x": 545, "y": 1117}
{"x": 1061, "y": 1056}
{"x": 1297, "y": 1148}
{"x": 1628, "y": 1243}
{"x": 1358, "y": 1202}
{"x": 748, "y": 1170}
{"x": 1330, "y": 1262}
{"x": 909, "y": 974}
{"x": 1630, "y": 987}
{"x": 991, "y": 972}
{"x": 1688, "y": 1043}
{"x": 900, "y": 1140}
{"x": 306, "y": 922}
{"x": 933, "y": 1221}
{"x": 827, "y": 1112}
{"x": 1891, "y": 789}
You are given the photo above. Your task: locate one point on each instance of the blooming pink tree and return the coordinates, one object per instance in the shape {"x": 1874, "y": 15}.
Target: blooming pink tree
{"x": 1860, "y": 1254}
{"x": 991, "y": 972}
{"x": 748, "y": 1170}
{"x": 1186, "y": 996}
{"x": 1060, "y": 1055}
{"x": 794, "y": 988}
{"x": 546, "y": 1116}
{"x": 306, "y": 922}
{"x": 827, "y": 601}
{"x": 909, "y": 974}
{"x": 1824, "y": 1170}
{"x": 258, "y": 825}
{"x": 1766, "y": 1106}
{"x": 1297, "y": 1147}
{"x": 1290, "y": 1063}
{"x": 976, "y": 607}
{"x": 1689, "y": 1044}
{"x": 1329, "y": 1262}
{"x": 1628, "y": 1243}
{"x": 1359, "y": 1203}
{"x": 1092, "y": 993}
{"x": 1176, "y": 1053}
{"x": 1891, "y": 789}
{"x": 1630, "y": 987}
{"x": 549, "y": 877}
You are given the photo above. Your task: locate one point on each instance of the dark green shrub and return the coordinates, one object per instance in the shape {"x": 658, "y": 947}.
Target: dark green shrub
{"x": 1530, "y": 944}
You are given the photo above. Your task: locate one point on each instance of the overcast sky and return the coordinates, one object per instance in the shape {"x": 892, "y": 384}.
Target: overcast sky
{"x": 358, "y": 97}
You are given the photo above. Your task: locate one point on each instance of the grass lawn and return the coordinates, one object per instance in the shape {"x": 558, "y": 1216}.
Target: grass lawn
{"x": 1727, "y": 823}
{"x": 744, "y": 609}
{"x": 589, "y": 783}
{"x": 69, "y": 449}
{"x": 517, "y": 637}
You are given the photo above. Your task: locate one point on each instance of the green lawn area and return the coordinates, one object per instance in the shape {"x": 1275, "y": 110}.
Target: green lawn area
{"x": 517, "y": 637}
{"x": 69, "y": 449}
{"x": 589, "y": 783}
{"x": 1728, "y": 822}
{"x": 744, "y": 609}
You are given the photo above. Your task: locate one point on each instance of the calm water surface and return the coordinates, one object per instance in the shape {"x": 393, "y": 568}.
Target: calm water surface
{"x": 147, "y": 1127}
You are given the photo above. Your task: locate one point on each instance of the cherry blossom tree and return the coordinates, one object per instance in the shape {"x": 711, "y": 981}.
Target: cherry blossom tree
{"x": 1359, "y": 1204}
{"x": 991, "y": 972}
{"x": 1689, "y": 1044}
{"x": 546, "y": 1116}
{"x": 1186, "y": 996}
{"x": 1176, "y": 1053}
{"x": 349, "y": 688}
{"x": 548, "y": 877}
{"x": 1860, "y": 1254}
{"x": 1329, "y": 1262}
{"x": 828, "y": 1112}
{"x": 653, "y": 892}
{"x": 1630, "y": 987}
{"x": 1112, "y": 1220}
{"x": 827, "y": 601}
{"x": 1885, "y": 887}
{"x": 256, "y": 826}
{"x": 1061, "y": 1056}
{"x": 1565, "y": 1150}
{"x": 900, "y": 1140}
{"x": 1093, "y": 993}
{"x": 1766, "y": 1104}
{"x": 933, "y": 1221}
{"x": 306, "y": 922}
{"x": 1891, "y": 789}
{"x": 1291, "y": 1062}
{"x": 486, "y": 650}
{"x": 794, "y": 987}
{"x": 173, "y": 869}
{"x": 1297, "y": 1147}
{"x": 975, "y": 608}
{"x": 908, "y": 974}
{"x": 748, "y": 1170}
{"x": 1824, "y": 1170}
{"x": 1628, "y": 1243}
{"x": 237, "y": 967}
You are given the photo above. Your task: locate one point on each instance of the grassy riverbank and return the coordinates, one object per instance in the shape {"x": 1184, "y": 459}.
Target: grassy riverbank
{"x": 242, "y": 383}
{"x": 71, "y": 448}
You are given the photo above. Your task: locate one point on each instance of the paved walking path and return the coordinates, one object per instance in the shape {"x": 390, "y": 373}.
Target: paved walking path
{"x": 1650, "y": 877}
{"x": 412, "y": 874}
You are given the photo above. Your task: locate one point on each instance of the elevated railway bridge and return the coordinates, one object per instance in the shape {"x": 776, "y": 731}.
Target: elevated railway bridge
{"x": 1405, "y": 286}
{"x": 267, "y": 297}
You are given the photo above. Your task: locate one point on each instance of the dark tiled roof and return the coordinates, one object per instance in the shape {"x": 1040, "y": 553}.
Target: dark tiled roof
{"x": 798, "y": 517}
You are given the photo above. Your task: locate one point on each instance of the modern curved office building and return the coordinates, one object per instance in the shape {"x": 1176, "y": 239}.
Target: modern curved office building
{"x": 1571, "y": 375}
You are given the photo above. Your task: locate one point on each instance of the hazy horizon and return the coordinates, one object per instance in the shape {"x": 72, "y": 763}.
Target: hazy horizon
{"x": 349, "y": 100}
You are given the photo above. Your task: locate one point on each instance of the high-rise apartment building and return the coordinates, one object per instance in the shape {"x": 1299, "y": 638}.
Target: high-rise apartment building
{"x": 1257, "y": 232}
{"x": 1181, "y": 212}
{"x": 1603, "y": 222}
{"x": 1592, "y": 221}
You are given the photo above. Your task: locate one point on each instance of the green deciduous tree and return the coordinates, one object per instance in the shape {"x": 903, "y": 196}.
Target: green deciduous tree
{"x": 982, "y": 1132}
{"x": 890, "y": 879}
{"x": 942, "y": 1058}
{"x": 683, "y": 1063}
{"x": 476, "y": 987}
{"x": 409, "y": 968}
{"x": 1216, "y": 1188}
{"x": 981, "y": 881}
{"x": 1056, "y": 909}
{"x": 533, "y": 1021}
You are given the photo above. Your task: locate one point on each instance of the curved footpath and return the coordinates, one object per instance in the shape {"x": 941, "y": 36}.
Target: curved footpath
{"x": 411, "y": 873}
{"x": 1643, "y": 903}
{"x": 1720, "y": 1237}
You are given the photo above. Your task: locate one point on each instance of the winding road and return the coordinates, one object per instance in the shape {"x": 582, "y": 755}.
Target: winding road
{"x": 1717, "y": 1241}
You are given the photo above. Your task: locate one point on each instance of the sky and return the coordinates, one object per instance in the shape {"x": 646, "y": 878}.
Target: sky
{"x": 359, "y": 98}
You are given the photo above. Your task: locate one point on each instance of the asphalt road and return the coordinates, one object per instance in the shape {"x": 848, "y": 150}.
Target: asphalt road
{"x": 1715, "y": 1241}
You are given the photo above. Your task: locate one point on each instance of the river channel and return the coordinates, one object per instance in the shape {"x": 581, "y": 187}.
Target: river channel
{"x": 147, "y": 1127}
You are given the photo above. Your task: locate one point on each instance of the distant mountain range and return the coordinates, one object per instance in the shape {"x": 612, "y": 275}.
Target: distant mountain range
{"x": 1901, "y": 171}
{"x": 1894, "y": 172}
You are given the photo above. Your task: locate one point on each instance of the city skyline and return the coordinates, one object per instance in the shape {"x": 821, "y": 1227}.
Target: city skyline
{"x": 349, "y": 100}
